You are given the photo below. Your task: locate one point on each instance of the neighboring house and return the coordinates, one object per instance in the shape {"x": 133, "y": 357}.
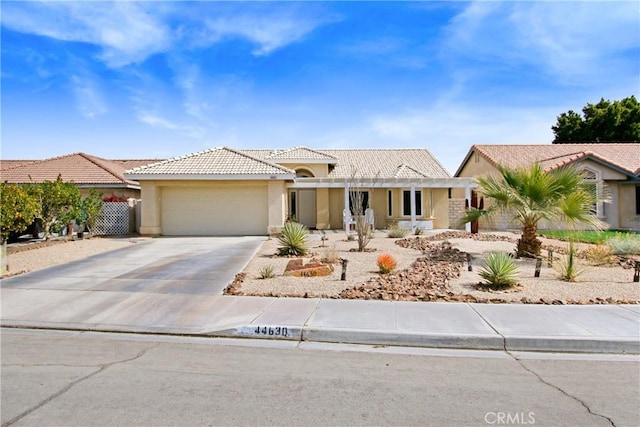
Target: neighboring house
{"x": 86, "y": 171}
{"x": 223, "y": 191}
{"x": 613, "y": 169}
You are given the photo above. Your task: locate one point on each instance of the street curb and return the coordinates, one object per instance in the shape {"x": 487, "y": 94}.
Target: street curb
{"x": 412, "y": 339}
{"x": 547, "y": 344}
{"x": 573, "y": 344}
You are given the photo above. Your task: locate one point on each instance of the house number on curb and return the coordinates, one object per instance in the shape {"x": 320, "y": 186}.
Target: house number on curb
{"x": 268, "y": 330}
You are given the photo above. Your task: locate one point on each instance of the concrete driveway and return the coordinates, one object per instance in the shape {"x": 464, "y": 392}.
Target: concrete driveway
{"x": 177, "y": 265}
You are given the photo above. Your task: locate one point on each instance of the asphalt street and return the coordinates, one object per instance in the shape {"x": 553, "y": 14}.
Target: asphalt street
{"x": 88, "y": 378}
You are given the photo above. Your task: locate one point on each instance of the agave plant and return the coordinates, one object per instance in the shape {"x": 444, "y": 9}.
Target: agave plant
{"x": 499, "y": 270}
{"x": 293, "y": 240}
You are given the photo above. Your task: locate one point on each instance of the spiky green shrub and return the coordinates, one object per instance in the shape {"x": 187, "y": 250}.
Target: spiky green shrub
{"x": 396, "y": 232}
{"x": 624, "y": 244}
{"x": 266, "y": 272}
{"x": 293, "y": 240}
{"x": 499, "y": 271}
{"x": 568, "y": 267}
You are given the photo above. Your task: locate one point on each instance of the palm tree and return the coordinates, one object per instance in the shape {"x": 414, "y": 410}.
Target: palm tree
{"x": 531, "y": 194}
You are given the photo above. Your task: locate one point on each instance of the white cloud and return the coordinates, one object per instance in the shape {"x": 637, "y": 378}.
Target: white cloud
{"x": 153, "y": 119}
{"x": 448, "y": 131}
{"x": 269, "y": 26}
{"x": 126, "y": 32}
{"x": 89, "y": 99}
{"x": 571, "y": 41}
{"x": 130, "y": 32}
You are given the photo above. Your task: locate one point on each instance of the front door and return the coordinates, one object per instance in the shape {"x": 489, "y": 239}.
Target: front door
{"x": 307, "y": 208}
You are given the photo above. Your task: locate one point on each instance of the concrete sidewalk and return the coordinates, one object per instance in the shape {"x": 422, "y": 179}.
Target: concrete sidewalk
{"x": 514, "y": 327}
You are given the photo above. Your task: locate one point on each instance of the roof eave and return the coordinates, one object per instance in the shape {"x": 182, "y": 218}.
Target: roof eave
{"x": 210, "y": 177}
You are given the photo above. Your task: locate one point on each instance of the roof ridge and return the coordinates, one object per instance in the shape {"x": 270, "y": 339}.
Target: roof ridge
{"x": 406, "y": 166}
{"x": 104, "y": 164}
{"x": 27, "y": 163}
{"x": 277, "y": 152}
{"x": 173, "y": 159}
{"x": 258, "y": 159}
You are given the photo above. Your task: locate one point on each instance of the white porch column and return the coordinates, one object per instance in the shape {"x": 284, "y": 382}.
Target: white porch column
{"x": 413, "y": 207}
{"x": 467, "y": 196}
{"x": 346, "y": 214}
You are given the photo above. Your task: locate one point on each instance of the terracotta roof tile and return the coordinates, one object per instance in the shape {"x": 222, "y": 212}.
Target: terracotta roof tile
{"x": 8, "y": 164}
{"x": 550, "y": 156}
{"x": 80, "y": 168}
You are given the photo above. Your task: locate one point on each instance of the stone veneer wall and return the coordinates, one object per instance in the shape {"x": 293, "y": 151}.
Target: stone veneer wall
{"x": 456, "y": 211}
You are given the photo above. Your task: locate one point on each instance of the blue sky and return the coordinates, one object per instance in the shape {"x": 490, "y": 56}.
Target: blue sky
{"x": 160, "y": 79}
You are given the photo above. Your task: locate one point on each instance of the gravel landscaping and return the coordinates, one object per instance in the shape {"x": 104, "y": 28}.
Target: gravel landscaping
{"x": 434, "y": 268}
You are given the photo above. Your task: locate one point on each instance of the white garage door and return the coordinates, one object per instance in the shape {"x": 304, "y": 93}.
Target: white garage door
{"x": 225, "y": 211}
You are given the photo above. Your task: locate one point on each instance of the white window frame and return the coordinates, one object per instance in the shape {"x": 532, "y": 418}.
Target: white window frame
{"x": 597, "y": 181}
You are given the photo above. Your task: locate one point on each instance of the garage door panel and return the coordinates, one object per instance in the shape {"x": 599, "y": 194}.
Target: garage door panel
{"x": 214, "y": 211}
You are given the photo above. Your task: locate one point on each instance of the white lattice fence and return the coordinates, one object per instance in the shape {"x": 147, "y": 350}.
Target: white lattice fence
{"x": 114, "y": 219}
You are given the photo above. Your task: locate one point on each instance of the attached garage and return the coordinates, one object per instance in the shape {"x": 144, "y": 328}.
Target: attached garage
{"x": 223, "y": 210}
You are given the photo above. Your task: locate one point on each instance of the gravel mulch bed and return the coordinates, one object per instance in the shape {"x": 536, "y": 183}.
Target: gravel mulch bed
{"x": 434, "y": 268}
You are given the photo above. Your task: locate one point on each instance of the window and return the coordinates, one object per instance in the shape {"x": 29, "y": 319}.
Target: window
{"x": 292, "y": 205}
{"x": 303, "y": 173}
{"x": 594, "y": 185}
{"x": 406, "y": 202}
{"x": 637, "y": 199}
{"x": 358, "y": 199}
{"x": 389, "y": 203}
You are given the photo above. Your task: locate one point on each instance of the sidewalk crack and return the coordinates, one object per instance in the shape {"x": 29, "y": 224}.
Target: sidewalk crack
{"x": 569, "y": 395}
{"x": 73, "y": 383}
{"x": 504, "y": 340}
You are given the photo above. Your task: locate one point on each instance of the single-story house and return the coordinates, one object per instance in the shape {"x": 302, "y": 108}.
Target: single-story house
{"x": 613, "y": 169}
{"x": 223, "y": 191}
{"x": 86, "y": 171}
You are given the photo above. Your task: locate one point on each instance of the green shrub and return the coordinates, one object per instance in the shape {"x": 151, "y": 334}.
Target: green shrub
{"x": 499, "y": 271}
{"x": 624, "y": 244}
{"x": 568, "y": 267}
{"x": 418, "y": 231}
{"x": 266, "y": 272}
{"x": 293, "y": 240}
{"x": 396, "y": 231}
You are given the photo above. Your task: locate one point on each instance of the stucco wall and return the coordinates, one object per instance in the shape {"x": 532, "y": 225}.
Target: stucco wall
{"x": 319, "y": 170}
{"x": 628, "y": 217}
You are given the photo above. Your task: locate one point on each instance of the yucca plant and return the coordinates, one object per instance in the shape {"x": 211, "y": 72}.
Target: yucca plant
{"x": 568, "y": 268}
{"x": 293, "y": 239}
{"x": 386, "y": 263}
{"x": 499, "y": 270}
{"x": 267, "y": 272}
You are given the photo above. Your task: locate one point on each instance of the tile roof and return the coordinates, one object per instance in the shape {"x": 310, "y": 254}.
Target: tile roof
{"x": 622, "y": 156}
{"x": 299, "y": 153}
{"x": 80, "y": 168}
{"x": 7, "y": 164}
{"x": 386, "y": 163}
{"x": 215, "y": 161}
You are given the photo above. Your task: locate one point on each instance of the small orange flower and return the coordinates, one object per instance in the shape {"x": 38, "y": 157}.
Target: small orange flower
{"x": 386, "y": 263}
